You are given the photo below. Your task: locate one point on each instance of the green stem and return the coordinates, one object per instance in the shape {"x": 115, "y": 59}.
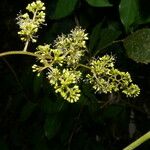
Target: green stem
{"x": 138, "y": 142}
{"x": 18, "y": 53}
{"x": 28, "y": 40}
{"x": 84, "y": 66}
{"x": 26, "y": 45}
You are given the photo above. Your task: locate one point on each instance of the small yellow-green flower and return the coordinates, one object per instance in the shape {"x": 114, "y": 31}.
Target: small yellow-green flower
{"x": 73, "y": 45}
{"x": 29, "y": 25}
{"x": 65, "y": 83}
{"x": 62, "y": 61}
{"x": 106, "y": 79}
{"x": 132, "y": 91}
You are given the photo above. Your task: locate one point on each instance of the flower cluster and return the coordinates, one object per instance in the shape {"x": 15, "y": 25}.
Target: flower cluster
{"x": 73, "y": 45}
{"x": 132, "y": 90}
{"x": 106, "y": 79}
{"x": 61, "y": 60}
{"x": 30, "y": 25}
{"x": 65, "y": 83}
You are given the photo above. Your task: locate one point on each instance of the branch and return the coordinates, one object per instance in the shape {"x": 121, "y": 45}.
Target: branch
{"x": 138, "y": 142}
{"x": 18, "y": 53}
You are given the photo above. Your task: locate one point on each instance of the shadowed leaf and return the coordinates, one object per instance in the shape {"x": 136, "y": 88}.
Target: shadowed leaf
{"x": 99, "y": 3}
{"x": 129, "y": 11}
{"x": 64, "y": 8}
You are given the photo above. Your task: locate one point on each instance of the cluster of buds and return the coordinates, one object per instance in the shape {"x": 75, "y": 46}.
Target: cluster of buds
{"x": 106, "y": 79}
{"x": 28, "y": 24}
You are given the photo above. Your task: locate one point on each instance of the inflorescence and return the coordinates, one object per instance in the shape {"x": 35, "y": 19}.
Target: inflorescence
{"x": 62, "y": 59}
{"x": 29, "y": 23}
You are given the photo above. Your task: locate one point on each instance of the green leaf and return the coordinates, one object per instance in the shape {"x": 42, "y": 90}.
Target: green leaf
{"x": 113, "y": 112}
{"x": 64, "y": 8}
{"x": 108, "y": 35}
{"x": 61, "y": 26}
{"x": 129, "y": 12}
{"x": 99, "y": 3}
{"x": 102, "y": 37}
{"x": 52, "y": 125}
{"x": 50, "y": 107}
{"x": 27, "y": 110}
{"x": 137, "y": 46}
{"x": 144, "y": 15}
{"x": 95, "y": 36}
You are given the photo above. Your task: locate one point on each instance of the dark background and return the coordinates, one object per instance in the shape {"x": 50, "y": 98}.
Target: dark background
{"x": 33, "y": 117}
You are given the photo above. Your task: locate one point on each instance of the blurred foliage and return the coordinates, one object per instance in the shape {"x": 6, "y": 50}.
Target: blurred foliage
{"x": 33, "y": 117}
